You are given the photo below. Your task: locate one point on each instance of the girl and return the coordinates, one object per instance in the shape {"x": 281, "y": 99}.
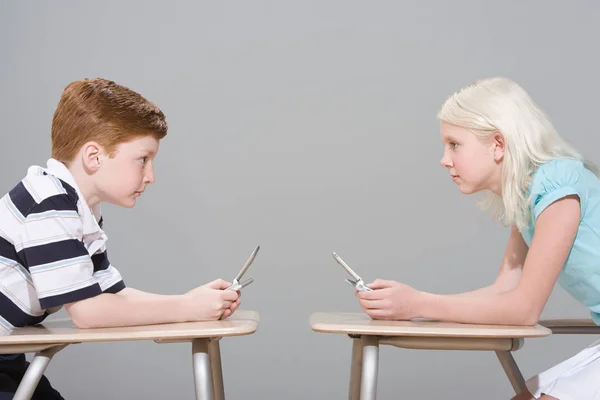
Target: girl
{"x": 497, "y": 140}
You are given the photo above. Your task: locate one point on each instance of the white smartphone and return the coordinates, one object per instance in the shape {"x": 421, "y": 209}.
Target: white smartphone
{"x": 237, "y": 283}
{"x": 356, "y": 281}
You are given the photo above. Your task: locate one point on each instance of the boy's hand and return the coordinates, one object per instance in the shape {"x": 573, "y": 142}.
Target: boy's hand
{"x": 234, "y": 306}
{"x": 389, "y": 300}
{"x": 211, "y": 301}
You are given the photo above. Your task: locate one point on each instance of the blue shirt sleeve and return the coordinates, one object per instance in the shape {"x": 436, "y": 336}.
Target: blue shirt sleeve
{"x": 555, "y": 180}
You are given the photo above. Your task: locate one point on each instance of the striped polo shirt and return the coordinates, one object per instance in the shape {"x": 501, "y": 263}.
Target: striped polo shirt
{"x": 52, "y": 247}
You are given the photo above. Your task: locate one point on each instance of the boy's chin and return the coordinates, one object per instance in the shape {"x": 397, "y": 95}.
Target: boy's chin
{"x": 126, "y": 203}
{"x": 129, "y": 203}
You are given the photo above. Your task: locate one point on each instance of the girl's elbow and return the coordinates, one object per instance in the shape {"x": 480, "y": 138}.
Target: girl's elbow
{"x": 522, "y": 308}
{"x": 528, "y": 315}
{"x": 530, "y": 319}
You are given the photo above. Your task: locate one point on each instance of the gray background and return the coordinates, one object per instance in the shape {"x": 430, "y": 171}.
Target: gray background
{"x": 305, "y": 127}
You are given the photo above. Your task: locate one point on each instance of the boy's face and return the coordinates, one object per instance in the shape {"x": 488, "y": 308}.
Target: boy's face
{"x": 124, "y": 177}
{"x": 473, "y": 165}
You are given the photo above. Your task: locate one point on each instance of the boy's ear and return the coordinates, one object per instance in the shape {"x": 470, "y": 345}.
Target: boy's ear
{"x": 498, "y": 146}
{"x": 92, "y": 154}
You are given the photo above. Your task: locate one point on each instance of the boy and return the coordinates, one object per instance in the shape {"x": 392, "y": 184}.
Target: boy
{"x": 52, "y": 246}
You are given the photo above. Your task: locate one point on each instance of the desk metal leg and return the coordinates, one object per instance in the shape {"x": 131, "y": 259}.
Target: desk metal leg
{"x": 34, "y": 372}
{"x": 355, "y": 368}
{"x": 512, "y": 371}
{"x": 202, "y": 370}
{"x": 214, "y": 351}
{"x": 370, "y": 367}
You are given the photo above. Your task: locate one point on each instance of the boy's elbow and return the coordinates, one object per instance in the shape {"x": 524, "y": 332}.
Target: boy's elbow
{"x": 81, "y": 323}
{"x": 78, "y": 318}
{"x": 81, "y": 316}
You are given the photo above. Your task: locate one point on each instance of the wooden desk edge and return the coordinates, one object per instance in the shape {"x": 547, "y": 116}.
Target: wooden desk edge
{"x": 100, "y": 338}
{"x": 248, "y": 326}
{"x": 465, "y": 335}
{"x": 472, "y": 331}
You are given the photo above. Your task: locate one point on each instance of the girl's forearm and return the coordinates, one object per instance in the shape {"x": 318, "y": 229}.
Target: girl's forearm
{"x": 478, "y": 307}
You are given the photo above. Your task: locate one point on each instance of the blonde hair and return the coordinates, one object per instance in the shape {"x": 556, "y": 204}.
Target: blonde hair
{"x": 500, "y": 105}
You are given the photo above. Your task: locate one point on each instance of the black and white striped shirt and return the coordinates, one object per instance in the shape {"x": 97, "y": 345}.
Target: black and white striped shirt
{"x": 52, "y": 248}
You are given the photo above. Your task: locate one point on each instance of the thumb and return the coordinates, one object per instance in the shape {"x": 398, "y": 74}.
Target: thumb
{"x": 382, "y": 284}
{"x": 218, "y": 284}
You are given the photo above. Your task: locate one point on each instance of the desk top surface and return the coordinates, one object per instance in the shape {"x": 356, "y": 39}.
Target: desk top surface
{"x": 360, "y": 323}
{"x": 242, "y": 322}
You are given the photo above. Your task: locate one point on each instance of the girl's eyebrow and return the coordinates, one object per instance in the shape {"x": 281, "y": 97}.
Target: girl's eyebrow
{"x": 450, "y": 138}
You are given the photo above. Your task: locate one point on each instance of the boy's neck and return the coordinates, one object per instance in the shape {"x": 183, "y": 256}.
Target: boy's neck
{"x": 85, "y": 184}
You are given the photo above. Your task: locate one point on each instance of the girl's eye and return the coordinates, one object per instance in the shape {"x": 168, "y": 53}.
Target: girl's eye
{"x": 143, "y": 160}
{"x": 453, "y": 145}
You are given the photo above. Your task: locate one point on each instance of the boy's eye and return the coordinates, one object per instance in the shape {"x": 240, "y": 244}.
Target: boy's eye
{"x": 453, "y": 145}
{"x": 143, "y": 160}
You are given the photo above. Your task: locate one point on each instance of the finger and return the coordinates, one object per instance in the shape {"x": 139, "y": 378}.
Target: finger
{"x": 375, "y": 304}
{"x": 226, "y": 314}
{"x": 219, "y": 314}
{"x": 379, "y": 314}
{"x": 218, "y": 284}
{"x": 382, "y": 284}
{"x": 225, "y": 305}
{"x": 375, "y": 294}
{"x": 229, "y": 295}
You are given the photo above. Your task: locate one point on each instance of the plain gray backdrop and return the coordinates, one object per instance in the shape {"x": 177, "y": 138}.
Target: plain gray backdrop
{"x": 306, "y": 127}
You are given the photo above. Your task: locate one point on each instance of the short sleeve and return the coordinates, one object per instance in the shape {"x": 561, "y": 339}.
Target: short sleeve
{"x": 52, "y": 249}
{"x": 107, "y": 276}
{"x": 555, "y": 180}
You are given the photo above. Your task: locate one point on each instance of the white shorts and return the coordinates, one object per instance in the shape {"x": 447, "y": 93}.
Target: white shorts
{"x": 576, "y": 378}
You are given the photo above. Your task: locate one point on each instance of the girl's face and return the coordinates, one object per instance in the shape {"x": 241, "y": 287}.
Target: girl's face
{"x": 474, "y": 165}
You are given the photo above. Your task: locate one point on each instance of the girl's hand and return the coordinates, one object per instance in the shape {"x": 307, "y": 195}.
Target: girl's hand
{"x": 389, "y": 300}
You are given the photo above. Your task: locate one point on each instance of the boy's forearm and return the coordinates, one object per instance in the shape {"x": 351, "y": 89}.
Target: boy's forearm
{"x": 128, "y": 291}
{"x": 112, "y": 310}
{"x": 503, "y": 308}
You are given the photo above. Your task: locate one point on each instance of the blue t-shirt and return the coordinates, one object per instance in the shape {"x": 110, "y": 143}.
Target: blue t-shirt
{"x": 580, "y": 275}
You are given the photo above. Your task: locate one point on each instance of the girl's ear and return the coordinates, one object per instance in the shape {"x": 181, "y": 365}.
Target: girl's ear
{"x": 497, "y": 146}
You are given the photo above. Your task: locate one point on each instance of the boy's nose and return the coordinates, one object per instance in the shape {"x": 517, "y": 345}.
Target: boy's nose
{"x": 150, "y": 174}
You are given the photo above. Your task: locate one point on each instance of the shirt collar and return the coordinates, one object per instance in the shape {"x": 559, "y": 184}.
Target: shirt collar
{"x": 90, "y": 216}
